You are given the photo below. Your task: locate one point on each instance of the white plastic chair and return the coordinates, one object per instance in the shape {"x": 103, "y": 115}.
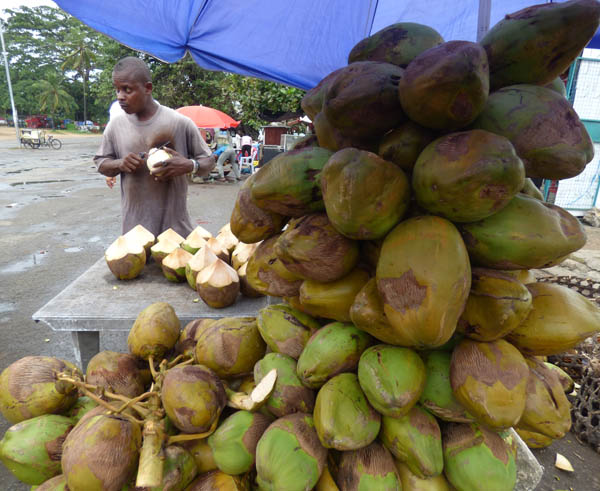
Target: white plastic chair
{"x": 247, "y": 162}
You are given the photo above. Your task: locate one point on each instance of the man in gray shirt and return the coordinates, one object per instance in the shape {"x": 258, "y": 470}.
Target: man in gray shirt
{"x": 157, "y": 202}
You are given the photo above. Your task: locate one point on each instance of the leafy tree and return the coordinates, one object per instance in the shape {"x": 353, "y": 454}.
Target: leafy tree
{"x": 53, "y": 97}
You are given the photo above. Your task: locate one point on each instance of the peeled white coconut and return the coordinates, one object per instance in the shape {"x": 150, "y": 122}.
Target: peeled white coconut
{"x": 242, "y": 253}
{"x": 203, "y": 258}
{"x": 174, "y": 264}
{"x": 125, "y": 258}
{"x": 218, "y": 285}
{"x": 162, "y": 249}
{"x": 155, "y": 157}
{"x": 141, "y": 234}
{"x": 171, "y": 235}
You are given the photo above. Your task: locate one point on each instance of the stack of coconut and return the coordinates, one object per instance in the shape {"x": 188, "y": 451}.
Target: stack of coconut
{"x": 412, "y": 336}
{"x": 221, "y": 260}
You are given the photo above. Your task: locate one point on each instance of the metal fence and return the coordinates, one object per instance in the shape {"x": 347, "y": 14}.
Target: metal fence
{"x": 580, "y": 193}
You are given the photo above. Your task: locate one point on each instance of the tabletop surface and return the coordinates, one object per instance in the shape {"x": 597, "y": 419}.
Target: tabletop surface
{"x": 97, "y": 301}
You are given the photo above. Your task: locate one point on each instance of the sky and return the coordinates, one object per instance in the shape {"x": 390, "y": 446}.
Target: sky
{"x": 13, "y": 4}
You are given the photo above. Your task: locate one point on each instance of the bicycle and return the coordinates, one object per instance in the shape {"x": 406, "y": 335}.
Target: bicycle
{"x": 53, "y": 142}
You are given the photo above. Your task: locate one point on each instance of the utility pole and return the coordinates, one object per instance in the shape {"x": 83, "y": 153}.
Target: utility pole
{"x": 10, "y": 92}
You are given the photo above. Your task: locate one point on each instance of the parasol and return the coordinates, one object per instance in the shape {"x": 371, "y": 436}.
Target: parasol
{"x": 207, "y": 117}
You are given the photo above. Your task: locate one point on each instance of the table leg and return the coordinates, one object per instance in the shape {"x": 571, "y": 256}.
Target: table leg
{"x": 86, "y": 344}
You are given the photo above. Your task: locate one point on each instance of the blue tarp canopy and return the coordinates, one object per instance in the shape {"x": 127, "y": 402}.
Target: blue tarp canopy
{"x": 295, "y": 42}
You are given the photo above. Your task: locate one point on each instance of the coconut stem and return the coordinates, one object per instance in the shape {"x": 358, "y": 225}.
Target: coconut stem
{"x": 152, "y": 370}
{"x": 150, "y": 470}
{"x": 192, "y": 436}
{"x": 137, "y": 399}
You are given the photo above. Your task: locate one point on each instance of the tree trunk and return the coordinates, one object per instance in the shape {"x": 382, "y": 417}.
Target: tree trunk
{"x": 85, "y": 77}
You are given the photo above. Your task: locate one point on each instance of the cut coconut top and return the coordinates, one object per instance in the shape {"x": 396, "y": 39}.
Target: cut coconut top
{"x": 171, "y": 235}
{"x": 218, "y": 275}
{"x": 194, "y": 240}
{"x": 241, "y": 271}
{"x": 225, "y": 228}
{"x": 203, "y": 258}
{"x": 165, "y": 246}
{"x": 200, "y": 231}
{"x": 141, "y": 234}
{"x": 154, "y": 157}
{"x": 216, "y": 246}
{"x": 177, "y": 259}
{"x": 122, "y": 247}
{"x": 242, "y": 253}
{"x": 228, "y": 240}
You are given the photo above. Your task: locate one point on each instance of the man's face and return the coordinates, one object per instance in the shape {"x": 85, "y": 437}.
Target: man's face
{"x": 132, "y": 95}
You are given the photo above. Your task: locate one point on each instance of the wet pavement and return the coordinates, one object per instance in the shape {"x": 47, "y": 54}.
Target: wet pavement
{"x": 57, "y": 217}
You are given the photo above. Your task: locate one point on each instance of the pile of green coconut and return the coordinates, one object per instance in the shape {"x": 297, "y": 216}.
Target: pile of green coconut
{"x": 403, "y": 238}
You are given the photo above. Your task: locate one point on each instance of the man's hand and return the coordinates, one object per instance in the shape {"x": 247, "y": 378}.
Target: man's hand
{"x": 131, "y": 163}
{"x": 177, "y": 165}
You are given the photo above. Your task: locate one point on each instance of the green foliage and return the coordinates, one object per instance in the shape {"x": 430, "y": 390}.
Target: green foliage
{"x": 43, "y": 40}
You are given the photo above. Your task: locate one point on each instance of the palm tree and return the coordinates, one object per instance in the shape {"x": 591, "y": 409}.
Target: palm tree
{"x": 81, "y": 59}
{"x": 52, "y": 95}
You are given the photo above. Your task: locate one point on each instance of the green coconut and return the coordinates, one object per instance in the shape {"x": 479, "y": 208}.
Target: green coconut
{"x": 285, "y": 329}
{"x": 333, "y": 349}
{"x": 568, "y": 384}
{"x": 193, "y": 397}
{"x": 312, "y": 102}
{"x": 421, "y": 302}
{"x": 416, "y": 440}
{"x": 266, "y": 273}
{"x": 364, "y": 195}
{"x": 125, "y": 258}
{"x": 29, "y": 387}
{"x": 173, "y": 265}
{"x": 203, "y": 258}
{"x": 233, "y": 443}
{"x": 332, "y": 300}
{"x": 446, "y": 87}
{"x": 289, "y": 395}
{"x": 392, "y": 378}
{"x": 249, "y": 223}
{"x": 311, "y": 248}
{"x": 101, "y": 453}
{"x": 218, "y": 285}
{"x": 289, "y": 185}
{"x": 531, "y": 190}
{"x": 231, "y": 346}
{"x": 162, "y": 249}
{"x": 437, "y": 396}
{"x": 467, "y": 176}
{"x": 57, "y": 483}
{"x": 367, "y": 313}
{"x": 497, "y": 304}
{"x": 474, "y": 455}
{"x": 547, "y": 409}
{"x": 525, "y": 234}
{"x": 141, "y": 234}
{"x": 370, "y": 467}
{"x": 219, "y": 480}
{"x": 538, "y": 43}
{"x": 333, "y": 139}
{"x": 411, "y": 482}
{"x": 533, "y": 439}
{"x": 557, "y": 85}
{"x": 344, "y": 419}
{"x": 403, "y": 145}
{"x": 495, "y": 392}
{"x": 83, "y": 405}
{"x": 560, "y": 319}
{"x": 524, "y": 114}
{"x": 31, "y": 449}
{"x": 289, "y": 454}
{"x": 362, "y": 103}
{"x": 398, "y": 44}
{"x": 154, "y": 332}
{"x": 179, "y": 469}
{"x": 186, "y": 345}
{"x": 202, "y": 453}
{"x": 116, "y": 372}
{"x": 245, "y": 287}
{"x": 195, "y": 240}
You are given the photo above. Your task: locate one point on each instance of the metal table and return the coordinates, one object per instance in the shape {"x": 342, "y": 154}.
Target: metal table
{"x": 97, "y": 301}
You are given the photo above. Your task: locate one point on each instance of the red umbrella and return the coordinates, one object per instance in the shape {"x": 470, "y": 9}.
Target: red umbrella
{"x": 207, "y": 117}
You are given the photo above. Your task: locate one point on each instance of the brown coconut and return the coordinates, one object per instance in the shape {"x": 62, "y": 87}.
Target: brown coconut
{"x": 218, "y": 285}
{"x": 204, "y": 257}
{"x": 218, "y": 249}
{"x": 125, "y": 258}
{"x": 115, "y": 372}
{"x": 245, "y": 287}
{"x": 186, "y": 345}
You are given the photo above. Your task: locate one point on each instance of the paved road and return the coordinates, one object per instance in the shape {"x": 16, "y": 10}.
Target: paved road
{"x": 57, "y": 217}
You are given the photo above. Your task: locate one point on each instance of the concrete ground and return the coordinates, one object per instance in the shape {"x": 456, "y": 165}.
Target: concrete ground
{"x": 57, "y": 217}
